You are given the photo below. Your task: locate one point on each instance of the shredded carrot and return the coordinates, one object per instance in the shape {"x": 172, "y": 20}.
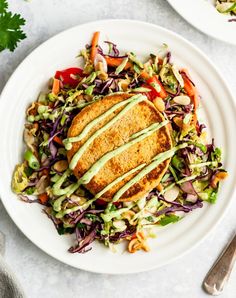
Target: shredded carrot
{"x": 190, "y": 89}
{"x": 58, "y": 140}
{"x": 43, "y": 198}
{"x": 56, "y": 86}
{"x": 94, "y": 45}
{"x": 116, "y": 61}
{"x": 144, "y": 75}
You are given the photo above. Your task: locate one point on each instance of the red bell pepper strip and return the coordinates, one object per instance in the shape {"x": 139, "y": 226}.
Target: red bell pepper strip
{"x": 190, "y": 88}
{"x": 152, "y": 94}
{"x": 157, "y": 86}
{"x": 69, "y": 76}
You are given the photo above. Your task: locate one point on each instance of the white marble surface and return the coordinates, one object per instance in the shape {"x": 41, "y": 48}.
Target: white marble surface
{"x": 42, "y": 276}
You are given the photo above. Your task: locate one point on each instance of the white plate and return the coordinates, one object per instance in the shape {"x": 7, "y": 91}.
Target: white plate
{"x": 58, "y": 53}
{"x": 203, "y": 15}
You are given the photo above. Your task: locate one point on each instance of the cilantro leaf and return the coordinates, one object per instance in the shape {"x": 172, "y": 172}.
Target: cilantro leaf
{"x": 10, "y": 28}
{"x": 210, "y": 195}
{"x": 150, "y": 218}
{"x": 3, "y": 6}
{"x": 216, "y": 155}
{"x": 172, "y": 218}
{"x": 92, "y": 217}
{"x": 30, "y": 190}
{"x": 62, "y": 230}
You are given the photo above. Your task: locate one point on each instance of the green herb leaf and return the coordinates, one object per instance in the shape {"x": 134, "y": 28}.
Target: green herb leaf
{"x": 10, "y": 28}
{"x": 177, "y": 162}
{"x": 92, "y": 217}
{"x": 30, "y": 190}
{"x": 80, "y": 225}
{"x": 28, "y": 171}
{"x": 3, "y": 6}
{"x": 150, "y": 218}
{"x": 62, "y": 230}
{"x": 169, "y": 219}
{"x": 113, "y": 208}
{"x": 216, "y": 155}
{"x": 209, "y": 195}
{"x": 213, "y": 197}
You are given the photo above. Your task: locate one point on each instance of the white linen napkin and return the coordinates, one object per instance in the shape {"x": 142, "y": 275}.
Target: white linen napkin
{"x": 9, "y": 286}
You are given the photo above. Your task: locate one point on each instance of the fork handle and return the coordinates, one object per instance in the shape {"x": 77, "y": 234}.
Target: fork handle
{"x": 219, "y": 274}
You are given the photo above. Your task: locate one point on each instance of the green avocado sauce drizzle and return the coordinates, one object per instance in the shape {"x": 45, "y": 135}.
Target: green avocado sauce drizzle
{"x": 135, "y": 100}
{"x": 57, "y": 203}
{"x": 158, "y": 159}
{"x": 95, "y": 168}
{"x": 117, "y": 180}
{"x": 144, "y": 171}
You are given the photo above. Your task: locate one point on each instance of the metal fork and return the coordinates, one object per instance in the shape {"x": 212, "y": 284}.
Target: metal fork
{"x": 219, "y": 274}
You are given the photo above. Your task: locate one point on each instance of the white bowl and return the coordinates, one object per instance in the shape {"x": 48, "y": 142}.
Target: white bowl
{"x": 203, "y": 15}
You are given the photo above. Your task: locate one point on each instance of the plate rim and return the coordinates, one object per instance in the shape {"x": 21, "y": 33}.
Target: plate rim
{"x": 232, "y": 101}
{"x": 202, "y": 30}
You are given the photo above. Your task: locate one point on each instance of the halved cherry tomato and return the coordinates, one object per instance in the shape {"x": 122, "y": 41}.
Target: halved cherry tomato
{"x": 69, "y": 76}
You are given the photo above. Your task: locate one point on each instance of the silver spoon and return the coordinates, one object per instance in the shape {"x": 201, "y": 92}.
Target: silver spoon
{"x": 219, "y": 274}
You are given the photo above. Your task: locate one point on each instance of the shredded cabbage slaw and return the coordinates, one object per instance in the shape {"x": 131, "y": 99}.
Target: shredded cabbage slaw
{"x": 192, "y": 177}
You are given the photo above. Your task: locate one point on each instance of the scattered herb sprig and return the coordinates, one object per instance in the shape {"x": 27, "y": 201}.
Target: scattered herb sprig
{"x": 10, "y": 28}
